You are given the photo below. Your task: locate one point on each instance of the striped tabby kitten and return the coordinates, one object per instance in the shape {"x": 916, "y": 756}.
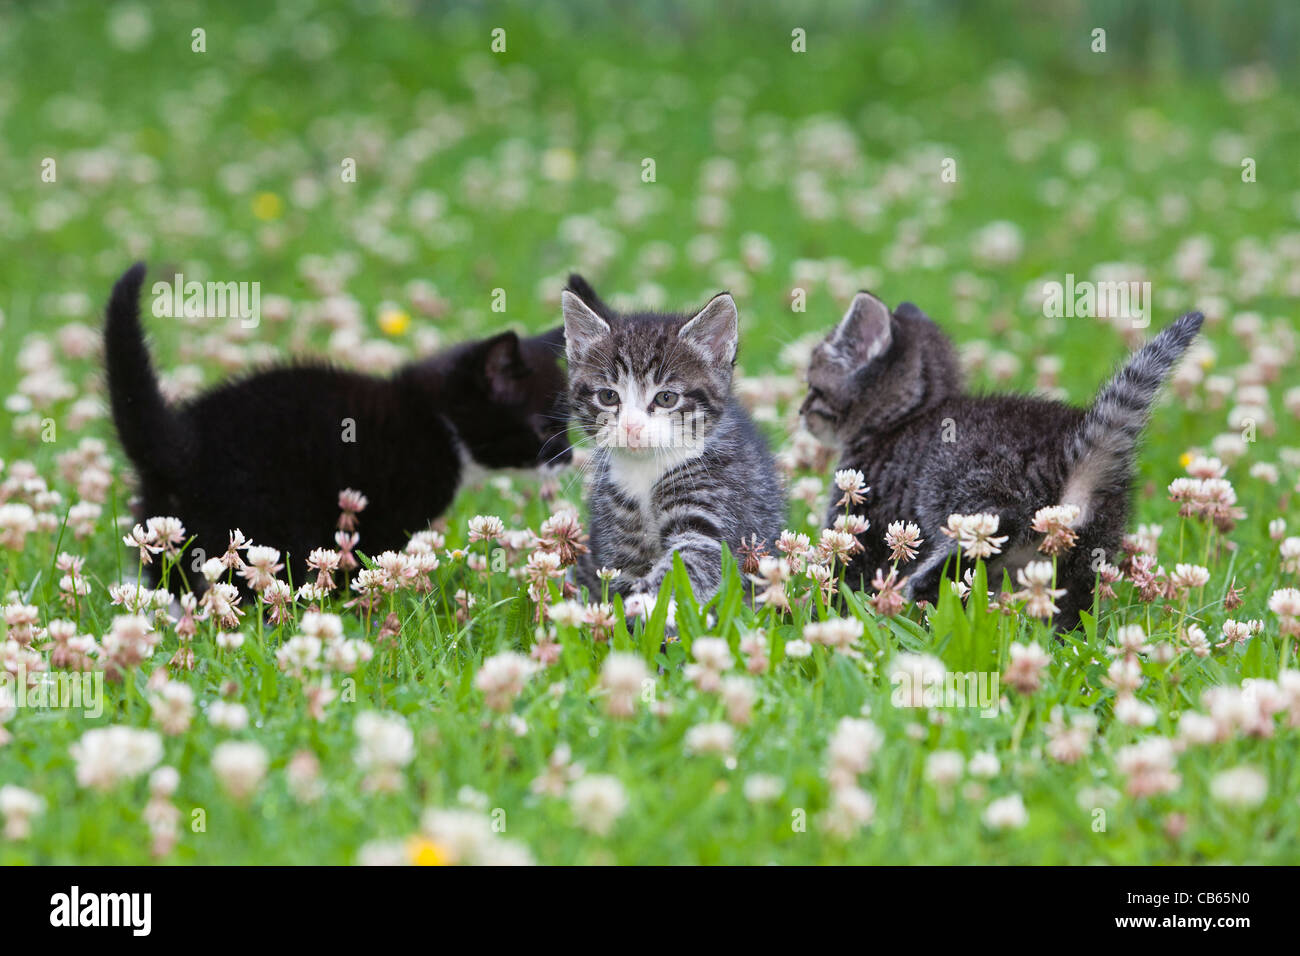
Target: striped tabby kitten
{"x": 886, "y": 388}
{"x": 679, "y": 466}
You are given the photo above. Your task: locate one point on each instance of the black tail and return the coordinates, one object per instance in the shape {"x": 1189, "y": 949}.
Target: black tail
{"x": 147, "y": 428}
{"x": 583, "y": 290}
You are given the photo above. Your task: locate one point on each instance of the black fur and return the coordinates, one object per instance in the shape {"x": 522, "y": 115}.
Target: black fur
{"x": 266, "y": 453}
{"x": 583, "y": 290}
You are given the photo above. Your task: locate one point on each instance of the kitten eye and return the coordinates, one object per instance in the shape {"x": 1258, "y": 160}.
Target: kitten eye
{"x": 666, "y": 399}
{"x": 607, "y": 396}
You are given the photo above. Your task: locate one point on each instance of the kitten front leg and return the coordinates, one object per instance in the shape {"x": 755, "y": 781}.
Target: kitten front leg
{"x": 702, "y": 557}
{"x": 583, "y": 574}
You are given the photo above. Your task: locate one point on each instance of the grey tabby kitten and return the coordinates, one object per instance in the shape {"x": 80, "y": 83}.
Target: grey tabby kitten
{"x": 886, "y": 388}
{"x": 679, "y": 467}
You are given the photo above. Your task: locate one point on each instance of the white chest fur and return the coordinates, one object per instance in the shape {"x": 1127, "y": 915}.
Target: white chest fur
{"x": 637, "y": 475}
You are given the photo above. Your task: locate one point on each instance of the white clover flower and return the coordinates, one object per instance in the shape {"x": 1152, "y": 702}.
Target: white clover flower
{"x": 712, "y": 652}
{"x": 1189, "y": 576}
{"x": 240, "y": 767}
{"x": 1241, "y": 788}
{"x": 853, "y": 483}
{"x": 164, "y": 781}
{"x": 1149, "y": 766}
{"x": 230, "y": 640}
{"x": 839, "y": 633}
{"x": 502, "y": 678}
{"x": 106, "y": 756}
{"x": 299, "y": 654}
{"x": 739, "y": 697}
{"x": 228, "y": 715}
{"x": 1006, "y": 813}
{"x": 566, "y": 614}
{"x": 853, "y": 744}
{"x": 850, "y": 809}
{"x": 173, "y": 707}
{"x": 326, "y": 628}
{"x": 345, "y": 657}
{"x": 712, "y": 657}
{"x": 598, "y": 800}
{"x": 763, "y": 788}
{"x": 1197, "y": 728}
{"x": 18, "y": 806}
{"x": 1134, "y": 713}
{"x": 213, "y": 569}
{"x": 384, "y": 741}
{"x": 717, "y": 738}
{"x": 984, "y": 764}
{"x": 943, "y": 768}
{"x": 976, "y": 534}
{"x": 1290, "y": 552}
{"x": 622, "y": 677}
{"x": 486, "y": 528}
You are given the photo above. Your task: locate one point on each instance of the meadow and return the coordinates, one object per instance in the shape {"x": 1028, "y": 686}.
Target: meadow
{"x": 396, "y": 177}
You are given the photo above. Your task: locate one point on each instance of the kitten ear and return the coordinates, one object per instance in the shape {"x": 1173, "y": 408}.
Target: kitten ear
{"x": 714, "y": 330}
{"x": 583, "y": 328}
{"x": 583, "y": 290}
{"x": 504, "y": 368}
{"x": 865, "y": 331}
{"x": 553, "y": 340}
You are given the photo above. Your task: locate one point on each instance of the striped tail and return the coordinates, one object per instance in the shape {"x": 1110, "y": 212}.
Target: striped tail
{"x": 1100, "y": 451}
{"x": 147, "y": 428}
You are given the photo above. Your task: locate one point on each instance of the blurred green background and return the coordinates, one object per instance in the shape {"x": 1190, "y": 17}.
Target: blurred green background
{"x": 774, "y": 170}
{"x": 480, "y": 170}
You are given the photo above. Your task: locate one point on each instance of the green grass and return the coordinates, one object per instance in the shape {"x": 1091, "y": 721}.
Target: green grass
{"x": 738, "y": 124}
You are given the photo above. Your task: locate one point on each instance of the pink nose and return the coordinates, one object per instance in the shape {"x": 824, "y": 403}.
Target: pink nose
{"x": 634, "y": 429}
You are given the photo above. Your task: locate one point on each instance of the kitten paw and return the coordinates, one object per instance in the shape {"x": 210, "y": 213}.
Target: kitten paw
{"x": 639, "y": 604}
{"x": 642, "y": 604}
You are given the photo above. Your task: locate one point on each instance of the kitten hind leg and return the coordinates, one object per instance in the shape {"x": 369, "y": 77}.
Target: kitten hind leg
{"x": 1077, "y": 574}
{"x": 923, "y": 584}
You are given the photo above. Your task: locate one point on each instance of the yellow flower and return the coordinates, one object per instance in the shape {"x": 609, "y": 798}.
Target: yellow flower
{"x": 1185, "y": 459}
{"x": 267, "y": 206}
{"x": 394, "y": 321}
{"x": 424, "y": 852}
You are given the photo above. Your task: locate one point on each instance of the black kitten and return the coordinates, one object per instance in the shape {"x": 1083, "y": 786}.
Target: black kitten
{"x": 887, "y": 390}
{"x": 269, "y": 454}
